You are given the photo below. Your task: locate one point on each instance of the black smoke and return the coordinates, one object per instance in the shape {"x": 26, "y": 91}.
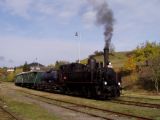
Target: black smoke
{"x": 104, "y": 17}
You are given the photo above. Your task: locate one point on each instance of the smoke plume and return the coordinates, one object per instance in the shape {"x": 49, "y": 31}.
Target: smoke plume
{"x": 104, "y": 17}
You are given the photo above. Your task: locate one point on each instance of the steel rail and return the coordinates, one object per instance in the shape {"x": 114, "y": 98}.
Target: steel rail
{"x": 134, "y": 103}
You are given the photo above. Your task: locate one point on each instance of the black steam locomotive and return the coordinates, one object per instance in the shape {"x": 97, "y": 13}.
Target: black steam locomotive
{"x": 93, "y": 80}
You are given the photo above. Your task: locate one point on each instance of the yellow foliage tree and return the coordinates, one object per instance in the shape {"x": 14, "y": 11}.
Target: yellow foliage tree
{"x": 130, "y": 64}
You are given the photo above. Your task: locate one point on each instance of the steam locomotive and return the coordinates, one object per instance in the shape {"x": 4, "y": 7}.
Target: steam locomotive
{"x": 93, "y": 80}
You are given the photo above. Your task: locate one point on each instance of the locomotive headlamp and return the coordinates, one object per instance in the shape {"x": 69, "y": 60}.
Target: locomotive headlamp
{"x": 105, "y": 83}
{"x": 119, "y": 83}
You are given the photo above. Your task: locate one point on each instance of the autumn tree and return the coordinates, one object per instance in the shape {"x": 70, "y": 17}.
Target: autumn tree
{"x": 149, "y": 54}
{"x": 146, "y": 51}
{"x": 130, "y": 64}
{"x": 3, "y": 73}
{"x": 155, "y": 67}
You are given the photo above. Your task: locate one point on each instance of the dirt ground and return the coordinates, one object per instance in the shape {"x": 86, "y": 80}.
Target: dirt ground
{"x": 61, "y": 113}
{"x": 4, "y": 115}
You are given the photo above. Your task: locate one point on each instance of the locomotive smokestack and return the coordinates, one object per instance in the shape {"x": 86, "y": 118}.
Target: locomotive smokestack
{"x": 106, "y": 56}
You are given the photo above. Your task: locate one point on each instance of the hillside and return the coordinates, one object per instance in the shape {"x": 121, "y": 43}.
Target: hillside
{"x": 117, "y": 59}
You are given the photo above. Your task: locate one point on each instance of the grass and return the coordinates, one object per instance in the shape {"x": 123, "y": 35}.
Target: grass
{"x": 28, "y": 111}
{"x": 134, "y": 110}
{"x": 138, "y": 99}
{"x": 142, "y": 95}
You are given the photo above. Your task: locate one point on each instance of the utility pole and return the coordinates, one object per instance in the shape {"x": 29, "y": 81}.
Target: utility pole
{"x": 78, "y": 36}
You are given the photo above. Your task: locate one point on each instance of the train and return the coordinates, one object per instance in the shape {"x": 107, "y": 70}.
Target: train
{"x": 93, "y": 80}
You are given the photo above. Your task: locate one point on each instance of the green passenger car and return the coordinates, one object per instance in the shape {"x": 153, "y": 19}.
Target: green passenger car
{"x": 29, "y": 78}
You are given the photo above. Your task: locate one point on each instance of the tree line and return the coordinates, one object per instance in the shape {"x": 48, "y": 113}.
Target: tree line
{"x": 145, "y": 60}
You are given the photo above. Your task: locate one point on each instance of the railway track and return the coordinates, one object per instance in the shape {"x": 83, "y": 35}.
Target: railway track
{"x": 139, "y": 98}
{"x": 140, "y": 104}
{"x": 85, "y": 108}
{"x": 6, "y": 115}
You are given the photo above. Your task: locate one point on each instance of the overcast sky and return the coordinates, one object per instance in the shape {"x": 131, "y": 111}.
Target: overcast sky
{"x": 45, "y": 29}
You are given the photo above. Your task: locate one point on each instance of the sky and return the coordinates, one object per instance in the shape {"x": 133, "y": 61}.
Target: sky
{"x": 44, "y": 30}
